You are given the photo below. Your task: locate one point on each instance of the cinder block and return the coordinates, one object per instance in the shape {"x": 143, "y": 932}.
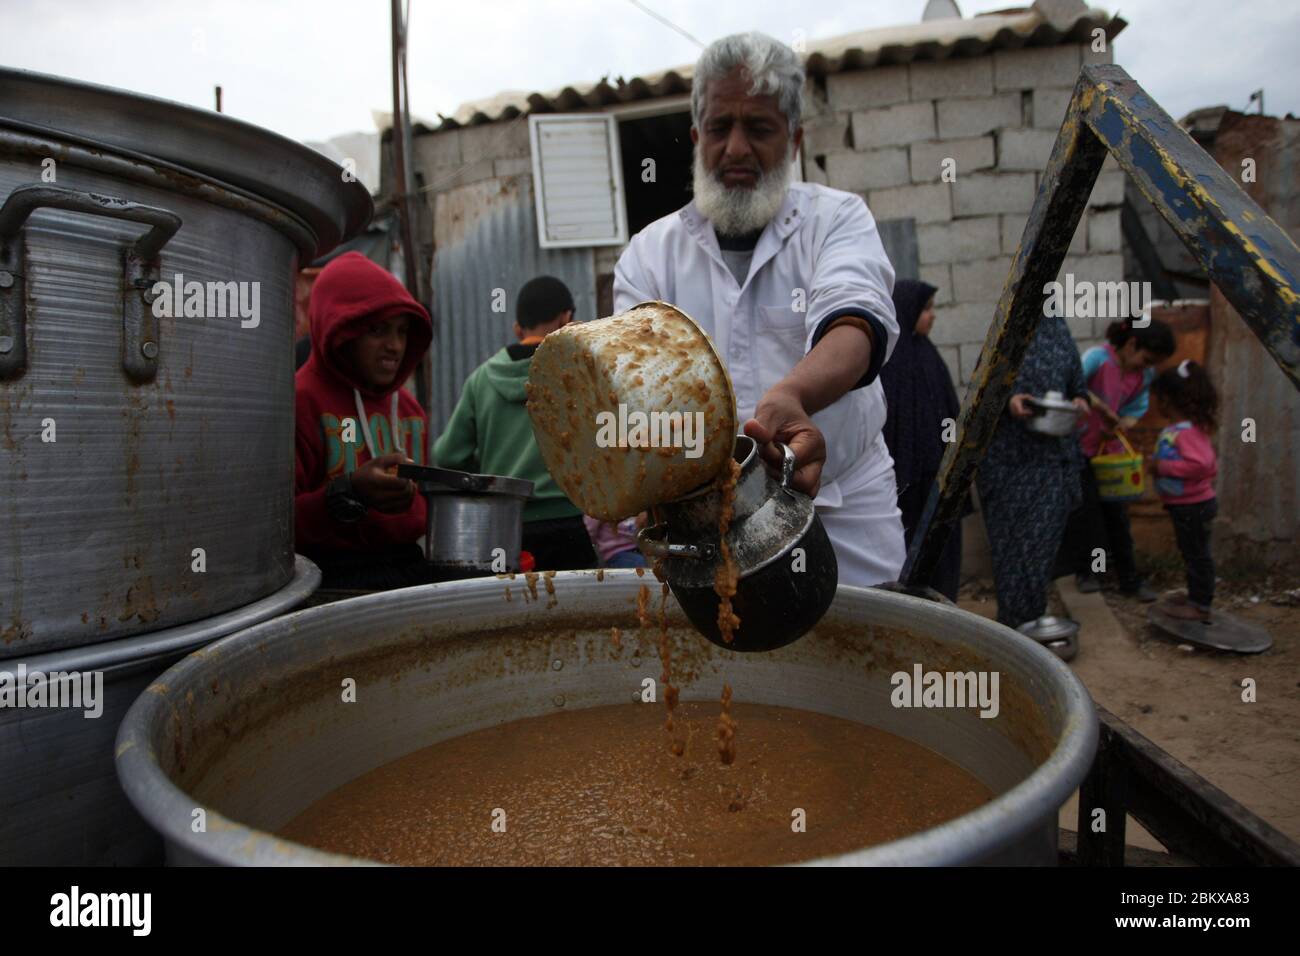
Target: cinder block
{"x": 980, "y": 281}
{"x": 963, "y": 322}
{"x": 939, "y": 276}
{"x": 812, "y": 173}
{"x": 957, "y": 241}
{"x": 970, "y": 354}
{"x": 503, "y": 140}
{"x": 1049, "y": 106}
{"x": 946, "y": 79}
{"x": 925, "y": 203}
{"x": 873, "y": 169}
{"x": 1109, "y": 189}
{"x": 1091, "y": 56}
{"x": 881, "y": 86}
{"x": 437, "y": 149}
{"x": 826, "y": 134}
{"x": 512, "y": 167}
{"x": 815, "y": 103}
{"x": 1104, "y": 234}
{"x": 441, "y": 178}
{"x": 975, "y": 117}
{"x": 1035, "y": 67}
{"x": 1025, "y": 149}
{"x": 969, "y": 155}
{"x": 893, "y": 126}
{"x": 982, "y": 194}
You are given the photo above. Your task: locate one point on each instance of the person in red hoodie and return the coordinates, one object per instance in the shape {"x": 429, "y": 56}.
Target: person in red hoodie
{"x": 355, "y": 424}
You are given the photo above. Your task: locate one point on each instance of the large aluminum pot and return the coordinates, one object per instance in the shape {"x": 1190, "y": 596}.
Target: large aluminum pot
{"x": 631, "y": 410}
{"x": 147, "y": 462}
{"x": 60, "y": 802}
{"x": 254, "y": 729}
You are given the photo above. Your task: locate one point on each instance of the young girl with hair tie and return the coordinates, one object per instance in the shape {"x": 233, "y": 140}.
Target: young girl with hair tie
{"x": 1185, "y": 467}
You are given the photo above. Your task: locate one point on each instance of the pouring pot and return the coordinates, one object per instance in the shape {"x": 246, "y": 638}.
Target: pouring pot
{"x": 786, "y": 571}
{"x": 631, "y": 410}
{"x": 475, "y": 522}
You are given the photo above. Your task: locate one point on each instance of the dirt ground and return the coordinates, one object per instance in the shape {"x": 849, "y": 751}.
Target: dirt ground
{"x": 1189, "y": 700}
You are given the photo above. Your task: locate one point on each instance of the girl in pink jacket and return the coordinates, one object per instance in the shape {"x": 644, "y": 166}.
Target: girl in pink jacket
{"x": 1185, "y": 467}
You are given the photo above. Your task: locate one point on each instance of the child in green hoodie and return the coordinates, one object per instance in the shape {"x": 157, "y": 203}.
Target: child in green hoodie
{"x": 490, "y": 431}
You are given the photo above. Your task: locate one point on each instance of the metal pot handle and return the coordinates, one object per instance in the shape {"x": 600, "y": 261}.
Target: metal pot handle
{"x": 655, "y": 547}
{"x": 140, "y": 270}
{"x": 787, "y": 465}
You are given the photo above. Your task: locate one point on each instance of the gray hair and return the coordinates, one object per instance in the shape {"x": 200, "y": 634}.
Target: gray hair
{"x": 773, "y": 67}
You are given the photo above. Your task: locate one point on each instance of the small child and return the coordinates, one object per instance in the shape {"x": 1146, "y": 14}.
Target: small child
{"x": 1185, "y": 466}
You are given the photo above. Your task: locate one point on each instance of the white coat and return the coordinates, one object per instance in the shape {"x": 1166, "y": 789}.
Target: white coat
{"x": 820, "y": 254}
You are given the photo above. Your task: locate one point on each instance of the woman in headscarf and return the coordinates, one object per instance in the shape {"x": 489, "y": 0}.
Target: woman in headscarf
{"x": 1029, "y": 482}
{"x": 919, "y": 395}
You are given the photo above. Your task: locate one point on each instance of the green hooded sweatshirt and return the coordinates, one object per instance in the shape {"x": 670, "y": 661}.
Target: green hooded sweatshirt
{"x": 490, "y": 433}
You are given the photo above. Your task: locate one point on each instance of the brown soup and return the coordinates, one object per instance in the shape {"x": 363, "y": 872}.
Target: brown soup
{"x": 597, "y": 787}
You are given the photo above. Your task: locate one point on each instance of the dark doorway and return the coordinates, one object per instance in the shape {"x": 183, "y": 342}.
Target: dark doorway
{"x": 666, "y": 139}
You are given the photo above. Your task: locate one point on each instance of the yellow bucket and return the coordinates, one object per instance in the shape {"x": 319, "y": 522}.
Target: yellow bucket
{"x": 1119, "y": 477}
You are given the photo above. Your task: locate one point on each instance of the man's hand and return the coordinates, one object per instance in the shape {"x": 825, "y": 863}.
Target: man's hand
{"x": 1082, "y": 407}
{"x": 780, "y": 416}
{"x": 377, "y": 485}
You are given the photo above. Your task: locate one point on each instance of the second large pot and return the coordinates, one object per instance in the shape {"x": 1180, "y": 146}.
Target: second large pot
{"x": 146, "y": 443}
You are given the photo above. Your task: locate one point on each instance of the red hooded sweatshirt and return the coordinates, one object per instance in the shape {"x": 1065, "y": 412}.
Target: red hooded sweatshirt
{"x": 349, "y": 292}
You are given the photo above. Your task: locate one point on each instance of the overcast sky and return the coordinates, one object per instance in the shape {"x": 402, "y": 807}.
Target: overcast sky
{"x": 311, "y": 69}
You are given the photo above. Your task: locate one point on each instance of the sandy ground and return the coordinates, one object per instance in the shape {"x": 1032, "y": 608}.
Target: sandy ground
{"x": 1189, "y": 701}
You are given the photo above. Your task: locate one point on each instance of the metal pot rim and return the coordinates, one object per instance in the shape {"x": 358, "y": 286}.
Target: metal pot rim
{"x": 267, "y": 164}
{"x": 997, "y": 824}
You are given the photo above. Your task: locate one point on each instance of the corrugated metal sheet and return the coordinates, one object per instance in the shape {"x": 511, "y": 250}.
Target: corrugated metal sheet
{"x": 931, "y": 40}
{"x": 499, "y": 251}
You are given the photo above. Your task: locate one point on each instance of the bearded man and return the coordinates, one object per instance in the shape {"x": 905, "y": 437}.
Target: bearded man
{"x": 793, "y": 284}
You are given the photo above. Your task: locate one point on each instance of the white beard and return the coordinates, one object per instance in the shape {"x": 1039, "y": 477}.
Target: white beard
{"x": 738, "y": 211}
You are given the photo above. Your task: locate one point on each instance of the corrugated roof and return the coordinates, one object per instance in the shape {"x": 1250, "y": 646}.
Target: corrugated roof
{"x": 929, "y": 40}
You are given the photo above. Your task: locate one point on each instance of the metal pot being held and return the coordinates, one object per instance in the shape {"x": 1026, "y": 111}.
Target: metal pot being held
{"x": 785, "y": 566}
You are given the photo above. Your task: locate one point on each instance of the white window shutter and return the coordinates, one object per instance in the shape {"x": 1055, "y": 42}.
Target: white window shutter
{"x": 577, "y": 180}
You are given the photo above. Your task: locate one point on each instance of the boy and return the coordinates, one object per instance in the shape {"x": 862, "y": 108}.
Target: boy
{"x": 352, "y": 515}
{"x": 490, "y": 431}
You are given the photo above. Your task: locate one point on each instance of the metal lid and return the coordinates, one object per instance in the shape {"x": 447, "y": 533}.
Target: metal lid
{"x": 448, "y": 481}
{"x": 265, "y": 163}
{"x": 1049, "y": 628}
{"x": 1053, "y": 401}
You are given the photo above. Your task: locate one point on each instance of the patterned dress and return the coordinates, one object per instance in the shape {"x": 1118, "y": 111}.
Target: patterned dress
{"x": 1029, "y": 483}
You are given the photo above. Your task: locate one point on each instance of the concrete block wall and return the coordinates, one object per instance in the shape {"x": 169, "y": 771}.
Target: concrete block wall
{"x": 885, "y": 133}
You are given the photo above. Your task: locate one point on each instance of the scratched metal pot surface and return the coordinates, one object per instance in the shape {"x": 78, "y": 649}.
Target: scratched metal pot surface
{"x": 253, "y": 729}
{"x": 60, "y": 802}
{"x": 588, "y": 379}
{"x": 146, "y": 476}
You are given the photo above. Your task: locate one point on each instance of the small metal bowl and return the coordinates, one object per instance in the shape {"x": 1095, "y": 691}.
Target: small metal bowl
{"x": 1053, "y": 414}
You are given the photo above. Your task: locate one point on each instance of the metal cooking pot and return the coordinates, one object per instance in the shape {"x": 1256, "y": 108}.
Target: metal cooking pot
{"x": 62, "y": 804}
{"x": 472, "y": 519}
{"x": 785, "y": 566}
{"x": 252, "y": 730}
{"x": 146, "y": 471}
{"x": 631, "y": 410}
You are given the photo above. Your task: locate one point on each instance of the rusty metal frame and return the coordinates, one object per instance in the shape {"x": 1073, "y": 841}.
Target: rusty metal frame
{"x": 1246, "y": 254}
{"x": 1191, "y": 817}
